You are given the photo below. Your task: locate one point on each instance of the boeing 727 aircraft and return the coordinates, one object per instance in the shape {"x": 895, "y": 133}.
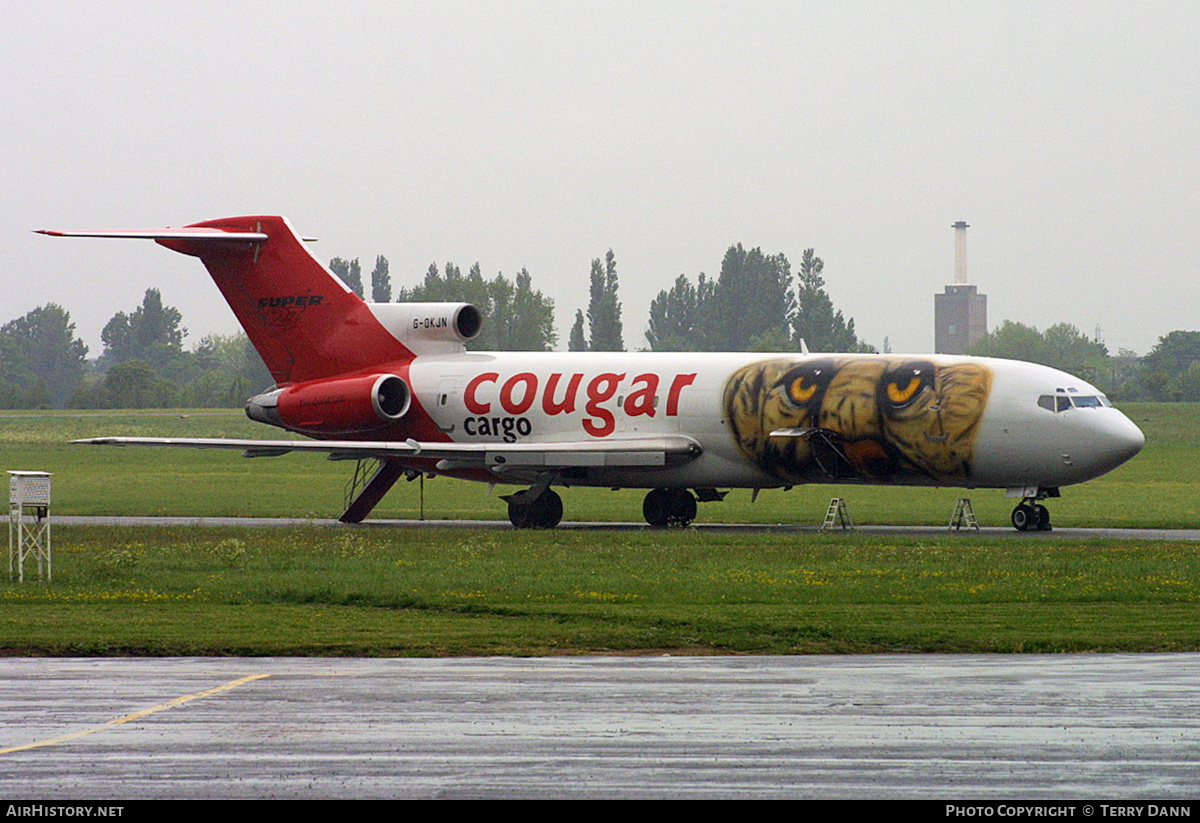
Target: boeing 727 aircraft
{"x": 394, "y": 382}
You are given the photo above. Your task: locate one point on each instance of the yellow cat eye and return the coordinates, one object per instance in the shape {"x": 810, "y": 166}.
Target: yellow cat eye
{"x": 899, "y": 395}
{"x": 800, "y": 392}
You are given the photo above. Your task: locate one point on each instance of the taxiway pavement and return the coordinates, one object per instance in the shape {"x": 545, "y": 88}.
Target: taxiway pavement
{"x": 997, "y": 727}
{"x": 780, "y": 528}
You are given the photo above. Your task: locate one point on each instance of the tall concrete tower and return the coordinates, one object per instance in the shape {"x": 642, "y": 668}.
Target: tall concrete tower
{"x": 960, "y": 252}
{"x": 960, "y": 313}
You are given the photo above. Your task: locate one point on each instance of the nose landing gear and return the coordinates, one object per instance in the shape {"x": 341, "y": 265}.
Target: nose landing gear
{"x": 1030, "y": 515}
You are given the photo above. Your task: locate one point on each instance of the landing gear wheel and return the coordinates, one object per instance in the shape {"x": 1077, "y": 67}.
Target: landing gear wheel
{"x": 1026, "y": 517}
{"x": 518, "y": 515}
{"x": 1043, "y": 523}
{"x": 655, "y": 508}
{"x": 682, "y": 507}
{"x": 544, "y": 513}
{"x": 669, "y": 507}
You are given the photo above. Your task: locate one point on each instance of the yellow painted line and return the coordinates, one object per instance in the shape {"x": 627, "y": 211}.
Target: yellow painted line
{"x": 170, "y": 704}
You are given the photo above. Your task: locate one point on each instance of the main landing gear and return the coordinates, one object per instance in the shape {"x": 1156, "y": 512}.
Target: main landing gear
{"x": 544, "y": 511}
{"x": 1030, "y": 516}
{"x": 540, "y": 507}
{"x": 669, "y": 507}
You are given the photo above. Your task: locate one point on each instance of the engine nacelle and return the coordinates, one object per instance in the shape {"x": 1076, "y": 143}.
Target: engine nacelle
{"x": 347, "y": 405}
{"x": 430, "y": 328}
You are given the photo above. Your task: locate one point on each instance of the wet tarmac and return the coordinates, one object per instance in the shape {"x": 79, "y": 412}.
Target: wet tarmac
{"x": 1064, "y": 727}
{"x": 1032, "y": 727}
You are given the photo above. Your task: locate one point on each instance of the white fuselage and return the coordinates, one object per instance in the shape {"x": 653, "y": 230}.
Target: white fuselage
{"x": 503, "y": 397}
{"x": 393, "y": 382}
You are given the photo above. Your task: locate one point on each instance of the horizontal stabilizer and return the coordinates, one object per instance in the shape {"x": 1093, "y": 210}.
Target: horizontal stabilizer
{"x": 305, "y": 323}
{"x": 185, "y": 233}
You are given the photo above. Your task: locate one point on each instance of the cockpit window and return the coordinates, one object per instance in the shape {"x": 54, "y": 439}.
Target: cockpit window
{"x": 1054, "y": 403}
{"x": 1061, "y": 402}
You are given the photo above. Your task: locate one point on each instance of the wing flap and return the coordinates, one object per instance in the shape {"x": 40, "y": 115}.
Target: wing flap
{"x": 559, "y": 459}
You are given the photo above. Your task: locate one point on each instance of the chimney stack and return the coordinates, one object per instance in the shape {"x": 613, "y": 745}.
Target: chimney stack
{"x": 959, "y": 315}
{"x": 960, "y": 253}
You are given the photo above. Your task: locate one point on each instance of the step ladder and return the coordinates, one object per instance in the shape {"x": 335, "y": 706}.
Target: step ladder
{"x": 837, "y": 514}
{"x": 964, "y": 516}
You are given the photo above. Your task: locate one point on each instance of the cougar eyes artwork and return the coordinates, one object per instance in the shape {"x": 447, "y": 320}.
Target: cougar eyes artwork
{"x": 858, "y": 417}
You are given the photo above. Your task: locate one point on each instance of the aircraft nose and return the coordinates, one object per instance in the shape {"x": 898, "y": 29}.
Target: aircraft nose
{"x": 1125, "y": 438}
{"x": 1115, "y": 440}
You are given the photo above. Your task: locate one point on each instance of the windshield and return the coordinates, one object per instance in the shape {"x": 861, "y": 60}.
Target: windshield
{"x": 1061, "y": 402}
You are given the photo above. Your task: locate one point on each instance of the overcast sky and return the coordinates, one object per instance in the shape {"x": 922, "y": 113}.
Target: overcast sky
{"x": 541, "y": 134}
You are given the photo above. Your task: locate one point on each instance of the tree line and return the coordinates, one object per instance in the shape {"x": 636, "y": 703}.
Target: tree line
{"x": 143, "y": 364}
{"x": 755, "y": 303}
{"x": 1170, "y": 372}
{"x": 752, "y": 305}
{"x": 518, "y": 317}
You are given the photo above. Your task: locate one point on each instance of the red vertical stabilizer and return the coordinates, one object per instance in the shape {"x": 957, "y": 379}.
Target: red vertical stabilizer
{"x": 305, "y": 323}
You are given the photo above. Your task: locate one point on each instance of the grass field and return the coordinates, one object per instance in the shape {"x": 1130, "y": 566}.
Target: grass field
{"x": 412, "y": 591}
{"x": 1156, "y": 489}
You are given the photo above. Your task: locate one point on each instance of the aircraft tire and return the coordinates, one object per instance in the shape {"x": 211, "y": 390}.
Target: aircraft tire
{"x": 544, "y": 513}
{"x": 681, "y": 507}
{"x": 1025, "y": 517}
{"x": 547, "y": 510}
{"x": 1043, "y": 518}
{"x": 518, "y": 515}
{"x": 656, "y": 508}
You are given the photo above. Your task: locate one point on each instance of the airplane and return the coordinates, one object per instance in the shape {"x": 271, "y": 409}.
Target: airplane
{"x": 395, "y": 382}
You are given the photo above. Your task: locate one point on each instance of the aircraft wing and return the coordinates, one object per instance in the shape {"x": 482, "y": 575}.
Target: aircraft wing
{"x": 647, "y": 452}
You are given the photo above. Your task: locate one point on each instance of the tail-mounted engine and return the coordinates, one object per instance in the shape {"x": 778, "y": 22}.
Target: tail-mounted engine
{"x": 347, "y": 405}
{"x": 430, "y": 328}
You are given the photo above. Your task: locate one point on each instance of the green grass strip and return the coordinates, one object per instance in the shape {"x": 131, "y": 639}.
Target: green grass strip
{"x": 416, "y": 592}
